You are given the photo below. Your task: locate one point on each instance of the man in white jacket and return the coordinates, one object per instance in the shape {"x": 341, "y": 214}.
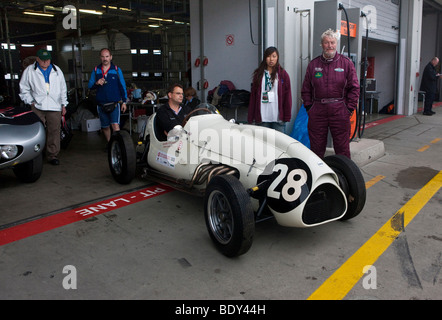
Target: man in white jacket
{"x": 43, "y": 87}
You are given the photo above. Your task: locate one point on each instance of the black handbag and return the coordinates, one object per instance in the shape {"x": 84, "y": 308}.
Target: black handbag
{"x": 108, "y": 107}
{"x": 65, "y": 133}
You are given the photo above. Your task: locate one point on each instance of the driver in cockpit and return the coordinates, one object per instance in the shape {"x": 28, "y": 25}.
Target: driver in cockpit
{"x": 171, "y": 113}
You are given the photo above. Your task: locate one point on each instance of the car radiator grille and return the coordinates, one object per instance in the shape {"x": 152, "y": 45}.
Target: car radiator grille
{"x": 325, "y": 203}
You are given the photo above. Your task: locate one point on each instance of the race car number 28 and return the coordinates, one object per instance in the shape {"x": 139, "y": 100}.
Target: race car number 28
{"x": 290, "y": 186}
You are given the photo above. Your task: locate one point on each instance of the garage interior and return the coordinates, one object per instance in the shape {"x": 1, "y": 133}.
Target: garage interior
{"x": 149, "y": 40}
{"x": 159, "y": 249}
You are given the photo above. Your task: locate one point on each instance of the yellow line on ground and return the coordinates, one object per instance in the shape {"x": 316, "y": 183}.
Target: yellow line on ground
{"x": 423, "y": 148}
{"x": 345, "y": 278}
{"x": 373, "y": 181}
{"x": 435, "y": 141}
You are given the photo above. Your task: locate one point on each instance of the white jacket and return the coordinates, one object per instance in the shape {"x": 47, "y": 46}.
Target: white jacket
{"x": 33, "y": 88}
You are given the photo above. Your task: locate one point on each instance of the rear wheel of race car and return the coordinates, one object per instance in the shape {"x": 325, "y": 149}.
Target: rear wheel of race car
{"x": 29, "y": 171}
{"x": 229, "y": 215}
{"x": 351, "y": 181}
{"x": 122, "y": 157}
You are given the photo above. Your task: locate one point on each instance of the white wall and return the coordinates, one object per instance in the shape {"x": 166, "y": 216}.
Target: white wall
{"x": 234, "y": 62}
{"x": 383, "y": 18}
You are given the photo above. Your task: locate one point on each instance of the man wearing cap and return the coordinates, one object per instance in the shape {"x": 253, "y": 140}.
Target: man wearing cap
{"x": 43, "y": 87}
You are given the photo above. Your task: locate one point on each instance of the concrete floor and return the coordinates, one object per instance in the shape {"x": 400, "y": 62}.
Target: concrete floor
{"x": 159, "y": 248}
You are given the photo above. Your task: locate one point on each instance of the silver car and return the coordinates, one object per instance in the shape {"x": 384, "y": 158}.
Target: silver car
{"x": 22, "y": 139}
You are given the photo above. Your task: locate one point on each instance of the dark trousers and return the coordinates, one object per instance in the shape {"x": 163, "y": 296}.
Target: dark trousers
{"x": 334, "y": 117}
{"x": 429, "y": 98}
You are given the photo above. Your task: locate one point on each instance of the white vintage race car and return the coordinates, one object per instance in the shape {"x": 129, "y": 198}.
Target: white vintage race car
{"x": 245, "y": 173}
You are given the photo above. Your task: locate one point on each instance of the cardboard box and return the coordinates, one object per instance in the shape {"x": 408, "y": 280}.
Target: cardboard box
{"x": 90, "y": 125}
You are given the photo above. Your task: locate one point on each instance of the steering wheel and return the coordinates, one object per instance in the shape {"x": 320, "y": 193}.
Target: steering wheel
{"x": 192, "y": 112}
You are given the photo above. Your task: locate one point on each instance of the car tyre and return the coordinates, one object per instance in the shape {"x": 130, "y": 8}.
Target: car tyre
{"x": 351, "y": 181}
{"x": 122, "y": 157}
{"x": 29, "y": 171}
{"x": 229, "y": 215}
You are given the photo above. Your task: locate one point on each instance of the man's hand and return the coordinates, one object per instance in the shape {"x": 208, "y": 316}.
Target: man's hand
{"x": 100, "y": 82}
{"x": 123, "y": 107}
{"x": 63, "y": 110}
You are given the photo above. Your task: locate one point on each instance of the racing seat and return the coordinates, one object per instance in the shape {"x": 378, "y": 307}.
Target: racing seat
{"x": 159, "y": 134}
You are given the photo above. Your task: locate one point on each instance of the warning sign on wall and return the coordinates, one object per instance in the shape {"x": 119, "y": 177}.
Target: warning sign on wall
{"x": 344, "y": 29}
{"x": 230, "y": 40}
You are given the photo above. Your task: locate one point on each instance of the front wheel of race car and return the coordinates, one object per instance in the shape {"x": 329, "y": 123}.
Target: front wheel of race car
{"x": 122, "y": 157}
{"x": 229, "y": 215}
{"x": 351, "y": 182}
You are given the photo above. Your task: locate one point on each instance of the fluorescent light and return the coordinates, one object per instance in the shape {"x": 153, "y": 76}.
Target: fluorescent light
{"x": 49, "y": 47}
{"x": 27, "y": 45}
{"x": 53, "y": 8}
{"x": 38, "y": 14}
{"x": 116, "y": 8}
{"x": 153, "y": 25}
{"x": 5, "y": 46}
{"x": 160, "y": 19}
{"x": 90, "y": 11}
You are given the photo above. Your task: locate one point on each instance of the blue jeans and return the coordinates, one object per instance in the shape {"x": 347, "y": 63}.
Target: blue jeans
{"x": 278, "y": 126}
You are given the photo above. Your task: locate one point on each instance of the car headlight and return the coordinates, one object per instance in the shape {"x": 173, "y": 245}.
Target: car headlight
{"x": 8, "y": 152}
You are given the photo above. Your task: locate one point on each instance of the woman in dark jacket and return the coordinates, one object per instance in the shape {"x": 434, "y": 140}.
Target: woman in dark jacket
{"x": 271, "y": 97}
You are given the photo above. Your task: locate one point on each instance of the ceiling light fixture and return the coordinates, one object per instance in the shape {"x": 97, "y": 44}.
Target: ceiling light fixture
{"x": 160, "y": 19}
{"x": 91, "y": 11}
{"x": 32, "y": 13}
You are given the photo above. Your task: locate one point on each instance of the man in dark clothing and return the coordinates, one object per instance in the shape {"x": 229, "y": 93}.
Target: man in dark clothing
{"x": 172, "y": 113}
{"x": 330, "y": 92}
{"x": 429, "y": 85}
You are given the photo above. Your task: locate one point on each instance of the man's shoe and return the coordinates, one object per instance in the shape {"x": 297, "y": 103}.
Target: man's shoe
{"x": 433, "y": 112}
{"x": 54, "y": 162}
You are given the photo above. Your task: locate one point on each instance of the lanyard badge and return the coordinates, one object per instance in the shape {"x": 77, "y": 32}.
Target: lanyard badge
{"x": 267, "y": 87}
{"x": 105, "y": 74}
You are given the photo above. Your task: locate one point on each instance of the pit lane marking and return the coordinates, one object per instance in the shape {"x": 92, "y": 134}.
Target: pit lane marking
{"x": 42, "y": 224}
{"x": 426, "y": 147}
{"x": 345, "y": 277}
{"x": 373, "y": 181}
